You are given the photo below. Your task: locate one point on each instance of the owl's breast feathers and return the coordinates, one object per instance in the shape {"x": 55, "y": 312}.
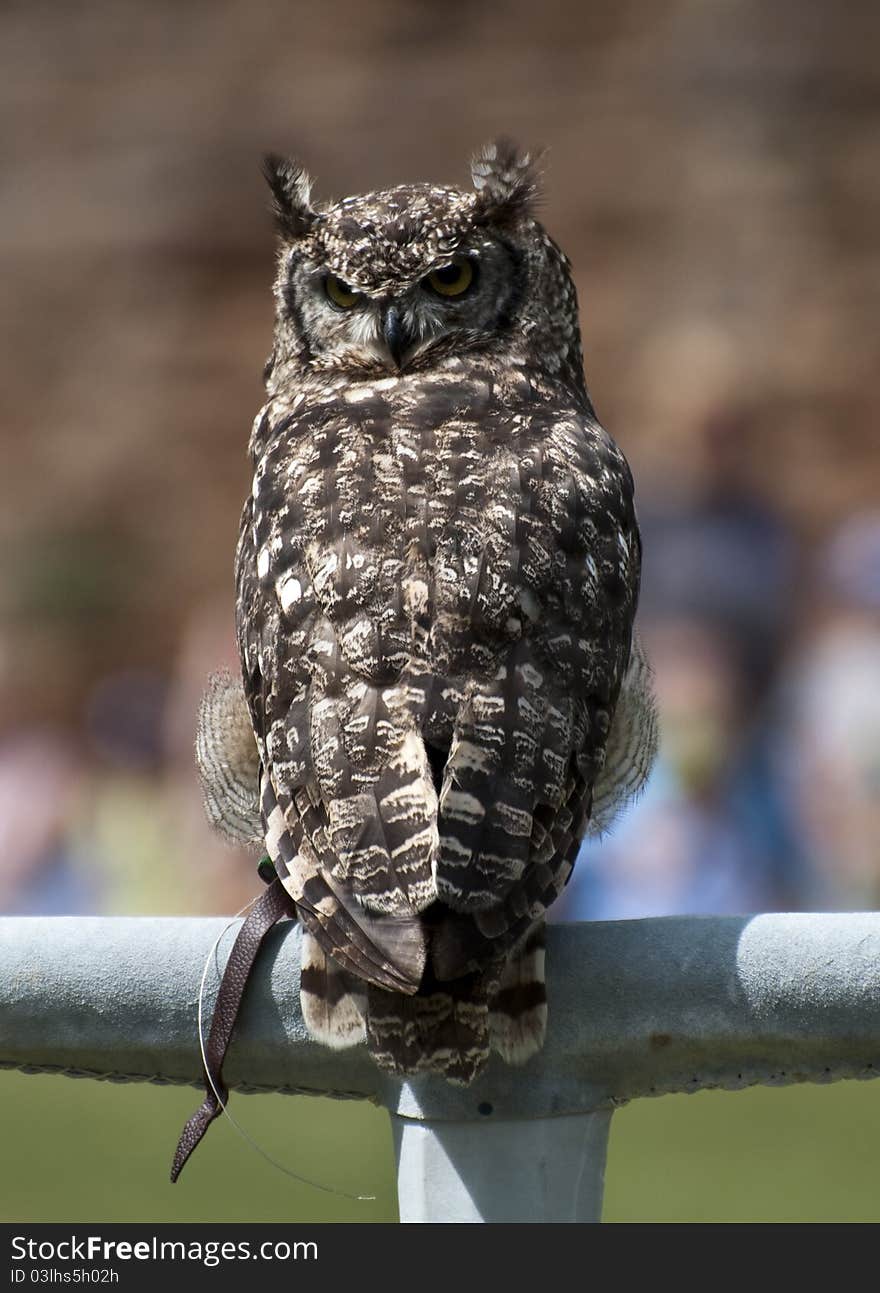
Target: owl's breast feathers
{"x": 437, "y": 581}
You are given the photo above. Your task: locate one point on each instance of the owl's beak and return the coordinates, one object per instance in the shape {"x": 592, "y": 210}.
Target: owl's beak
{"x": 397, "y": 336}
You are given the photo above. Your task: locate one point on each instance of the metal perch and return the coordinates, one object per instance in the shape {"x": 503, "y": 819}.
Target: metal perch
{"x": 637, "y": 1008}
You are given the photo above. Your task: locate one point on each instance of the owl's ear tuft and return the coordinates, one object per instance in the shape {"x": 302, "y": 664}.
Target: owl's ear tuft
{"x": 291, "y": 188}
{"x": 507, "y": 180}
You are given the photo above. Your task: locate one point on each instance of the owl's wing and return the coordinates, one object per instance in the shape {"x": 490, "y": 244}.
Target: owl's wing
{"x": 386, "y": 952}
{"x": 529, "y": 740}
{"x": 347, "y": 797}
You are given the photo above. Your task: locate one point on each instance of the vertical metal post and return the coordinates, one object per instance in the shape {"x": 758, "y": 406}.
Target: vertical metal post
{"x": 541, "y": 1169}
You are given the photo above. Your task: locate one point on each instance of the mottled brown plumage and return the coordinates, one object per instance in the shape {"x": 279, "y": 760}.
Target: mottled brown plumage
{"x": 437, "y": 576}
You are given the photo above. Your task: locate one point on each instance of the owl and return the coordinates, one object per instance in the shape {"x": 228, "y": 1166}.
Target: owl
{"x": 437, "y": 576}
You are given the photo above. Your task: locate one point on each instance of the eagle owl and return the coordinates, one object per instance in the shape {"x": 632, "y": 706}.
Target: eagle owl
{"x": 437, "y": 574}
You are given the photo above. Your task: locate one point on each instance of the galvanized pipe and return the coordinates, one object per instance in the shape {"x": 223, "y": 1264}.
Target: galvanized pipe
{"x": 538, "y": 1169}
{"x": 636, "y": 1008}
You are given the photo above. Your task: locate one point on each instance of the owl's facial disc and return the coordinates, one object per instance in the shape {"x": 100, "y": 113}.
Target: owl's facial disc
{"x": 452, "y": 306}
{"x": 411, "y": 321}
{"x": 393, "y": 328}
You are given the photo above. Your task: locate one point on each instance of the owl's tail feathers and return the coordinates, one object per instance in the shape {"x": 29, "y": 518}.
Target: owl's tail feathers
{"x": 447, "y": 1028}
{"x": 438, "y": 1031}
{"x": 518, "y": 1010}
{"x": 334, "y": 1004}
{"x": 444, "y": 1029}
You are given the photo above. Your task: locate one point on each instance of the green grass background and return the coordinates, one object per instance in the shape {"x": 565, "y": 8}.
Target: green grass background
{"x": 87, "y": 1151}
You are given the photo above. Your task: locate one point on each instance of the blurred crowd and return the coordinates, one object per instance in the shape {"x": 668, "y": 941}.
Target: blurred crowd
{"x": 766, "y": 792}
{"x": 764, "y": 795}
{"x": 105, "y": 815}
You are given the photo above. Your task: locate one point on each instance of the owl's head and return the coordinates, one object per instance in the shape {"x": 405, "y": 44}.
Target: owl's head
{"x": 399, "y": 280}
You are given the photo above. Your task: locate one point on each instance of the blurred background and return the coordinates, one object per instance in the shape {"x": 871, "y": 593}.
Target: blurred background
{"x": 712, "y": 171}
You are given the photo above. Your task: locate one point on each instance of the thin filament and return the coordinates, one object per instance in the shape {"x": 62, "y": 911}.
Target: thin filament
{"x": 303, "y": 1180}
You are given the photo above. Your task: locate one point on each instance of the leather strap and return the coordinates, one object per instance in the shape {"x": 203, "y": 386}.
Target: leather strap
{"x": 266, "y": 911}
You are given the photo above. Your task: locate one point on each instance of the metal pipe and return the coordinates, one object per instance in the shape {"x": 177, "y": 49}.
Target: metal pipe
{"x": 541, "y": 1169}
{"x": 636, "y": 1008}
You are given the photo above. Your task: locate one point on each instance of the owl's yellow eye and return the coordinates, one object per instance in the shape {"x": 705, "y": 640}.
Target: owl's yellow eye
{"x": 453, "y": 279}
{"x": 340, "y": 293}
